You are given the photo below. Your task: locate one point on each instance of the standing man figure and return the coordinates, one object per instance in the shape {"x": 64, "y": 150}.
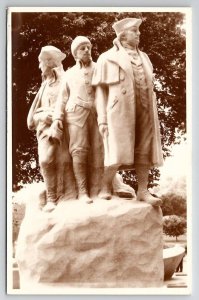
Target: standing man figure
{"x": 75, "y": 107}
{"x": 126, "y": 108}
{"x": 52, "y": 159}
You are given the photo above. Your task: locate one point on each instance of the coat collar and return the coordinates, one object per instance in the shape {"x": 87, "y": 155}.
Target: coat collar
{"x": 57, "y": 72}
{"x": 119, "y": 55}
{"x": 80, "y": 64}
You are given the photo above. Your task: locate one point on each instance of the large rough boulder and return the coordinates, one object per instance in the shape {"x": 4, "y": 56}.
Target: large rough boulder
{"x": 115, "y": 243}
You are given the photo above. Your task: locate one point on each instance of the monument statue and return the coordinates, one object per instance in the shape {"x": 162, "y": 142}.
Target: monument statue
{"x": 52, "y": 158}
{"x": 105, "y": 245}
{"x": 126, "y": 109}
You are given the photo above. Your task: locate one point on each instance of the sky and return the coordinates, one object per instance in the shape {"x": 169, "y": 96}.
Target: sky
{"x": 176, "y": 165}
{"x": 176, "y": 171}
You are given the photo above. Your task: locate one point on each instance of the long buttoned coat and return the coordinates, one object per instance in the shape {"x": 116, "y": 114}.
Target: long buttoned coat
{"x": 115, "y": 102}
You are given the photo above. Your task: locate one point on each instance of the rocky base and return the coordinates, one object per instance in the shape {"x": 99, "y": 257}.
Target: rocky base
{"x": 115, "y": 243}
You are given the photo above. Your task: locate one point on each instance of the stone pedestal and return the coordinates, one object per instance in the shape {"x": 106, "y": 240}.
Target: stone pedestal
{"x": 116, "y": 243}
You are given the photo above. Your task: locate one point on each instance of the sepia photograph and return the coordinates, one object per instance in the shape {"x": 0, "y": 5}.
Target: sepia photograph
{"x": 99, "y": 146}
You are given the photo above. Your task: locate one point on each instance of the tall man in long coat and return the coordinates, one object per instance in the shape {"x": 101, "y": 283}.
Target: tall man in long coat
{"x": 126, "y": 108}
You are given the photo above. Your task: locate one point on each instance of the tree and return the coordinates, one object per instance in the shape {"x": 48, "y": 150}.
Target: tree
{"x": 174, "y": 225}
{"x": 163, "y": 39}
{"x": 173, "y": 205}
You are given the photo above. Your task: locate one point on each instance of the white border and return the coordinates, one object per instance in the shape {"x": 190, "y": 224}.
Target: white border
{"x": 98, "y": 291}
{"x": 100, "y": 9}
{"x": 189, "y": 142}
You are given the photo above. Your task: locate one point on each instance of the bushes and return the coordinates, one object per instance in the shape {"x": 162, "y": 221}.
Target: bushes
{"x": 174, "y": 210}
{"x": 174, "y": 205}
{"x": 174, "y": 225}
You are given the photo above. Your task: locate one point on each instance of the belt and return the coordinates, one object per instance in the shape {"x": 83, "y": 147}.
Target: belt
{"x": 83, "y": 103}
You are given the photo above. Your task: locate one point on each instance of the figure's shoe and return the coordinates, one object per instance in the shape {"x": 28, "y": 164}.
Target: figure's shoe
{"x": 124, "y": 194}
{"x": 85, "y": 198}
{"x": 122, "y": 189}
{"x": 105, "y": 194}
{"x": 148, "y": 198}
{"x": 50, "y": 206}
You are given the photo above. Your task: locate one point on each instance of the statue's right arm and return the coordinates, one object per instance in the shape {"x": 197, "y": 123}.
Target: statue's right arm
{"x": 101, "y": 108}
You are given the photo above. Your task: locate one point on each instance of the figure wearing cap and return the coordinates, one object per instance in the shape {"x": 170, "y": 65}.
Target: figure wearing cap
{"x": 126, "y": 108}
{"x": 76, "y": 108}
{"x": 53, "y": 160}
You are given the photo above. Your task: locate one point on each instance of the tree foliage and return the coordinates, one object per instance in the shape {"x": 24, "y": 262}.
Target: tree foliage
{"x": 174, "y": 225}
{"x": 162, "y": 38}
{"x": 173, "y": 204}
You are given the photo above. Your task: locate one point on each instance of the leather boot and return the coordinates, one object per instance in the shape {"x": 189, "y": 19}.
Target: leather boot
{"x": 49, "y": 175}
{"x": 106, "y": 189}
{"x": 95, "y": 180}
{"x": 143, "y": 194}
{"x": 67, "y": 176}
{"x": 80, "y": 172}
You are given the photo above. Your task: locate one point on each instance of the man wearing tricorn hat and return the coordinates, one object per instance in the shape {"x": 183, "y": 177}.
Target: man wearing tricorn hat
{"x": 52, "y": 159}
{"x": 126, "y": 108}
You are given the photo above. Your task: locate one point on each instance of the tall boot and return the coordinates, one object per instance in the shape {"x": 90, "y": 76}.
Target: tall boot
{"x": 49, "y": 175}
{"x": 143, "y": 193}
{"x": 80, "y": 172}
{"x": 95, "y": 180}
{"x": 69, "y": 182}
{"x": 106, "y": 189}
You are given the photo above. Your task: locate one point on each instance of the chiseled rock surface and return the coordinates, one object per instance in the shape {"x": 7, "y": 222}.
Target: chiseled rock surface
{"x": 115, "y": 243}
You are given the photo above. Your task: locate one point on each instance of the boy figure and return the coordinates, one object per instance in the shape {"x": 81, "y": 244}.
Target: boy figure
{"x": 75, "y": 107}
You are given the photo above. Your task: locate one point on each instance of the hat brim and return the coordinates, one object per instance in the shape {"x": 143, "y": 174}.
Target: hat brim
{"x": 52, "y": 54}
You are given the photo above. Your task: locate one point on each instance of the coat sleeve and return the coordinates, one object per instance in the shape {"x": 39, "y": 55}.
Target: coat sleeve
{"x": 105, "y": 72}
{"x": 101, "y": 99}
{"x": 61, "y": 101}
{"x": 30, "y": 119}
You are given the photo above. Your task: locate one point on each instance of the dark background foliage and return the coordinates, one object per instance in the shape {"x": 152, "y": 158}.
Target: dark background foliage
{"x": 174, "y": 205}
{"x": 162, "y": 38}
